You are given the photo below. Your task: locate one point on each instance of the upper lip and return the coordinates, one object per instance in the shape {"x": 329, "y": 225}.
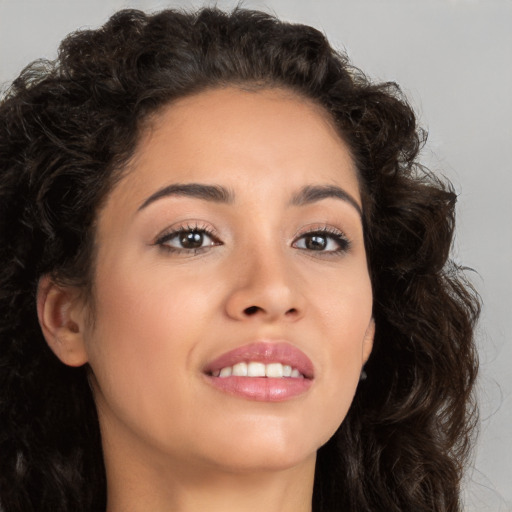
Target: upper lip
{"x": 264, "y": 352}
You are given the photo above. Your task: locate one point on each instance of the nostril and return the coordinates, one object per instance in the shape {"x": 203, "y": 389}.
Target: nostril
{"x": 252, "y": 310}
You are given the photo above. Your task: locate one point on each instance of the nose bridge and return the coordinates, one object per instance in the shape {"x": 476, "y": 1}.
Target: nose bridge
{"x": 264, "y": 282}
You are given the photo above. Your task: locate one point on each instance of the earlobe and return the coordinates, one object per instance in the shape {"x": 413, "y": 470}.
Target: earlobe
{"x": 368, "y": 340}
{"x": 60, "y": 314}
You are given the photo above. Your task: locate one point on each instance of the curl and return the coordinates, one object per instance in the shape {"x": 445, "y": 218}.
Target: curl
{"x": 67, "y": 130}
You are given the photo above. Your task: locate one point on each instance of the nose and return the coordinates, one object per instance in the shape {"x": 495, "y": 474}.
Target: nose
{"x": 265, "y": 288}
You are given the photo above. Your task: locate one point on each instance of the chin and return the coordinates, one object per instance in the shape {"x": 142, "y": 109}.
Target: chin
{"x": 265, "y": 448}
{"x": 265, "y": 460}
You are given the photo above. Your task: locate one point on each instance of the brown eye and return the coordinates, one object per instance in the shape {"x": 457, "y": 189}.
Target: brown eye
{"x": 184, "y": 240}
{"x": 323, "y": 241}
{"x": 315, "y": 242}
{"x": 191, "y": 239}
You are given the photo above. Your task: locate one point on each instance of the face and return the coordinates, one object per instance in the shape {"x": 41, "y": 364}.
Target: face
{"x": 235, "y": 238}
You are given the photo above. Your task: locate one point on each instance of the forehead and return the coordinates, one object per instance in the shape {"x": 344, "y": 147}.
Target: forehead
{"x": 240, "y": 138}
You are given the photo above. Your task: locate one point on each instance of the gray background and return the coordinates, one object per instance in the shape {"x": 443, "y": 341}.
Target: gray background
{"x": 453, "y": 58}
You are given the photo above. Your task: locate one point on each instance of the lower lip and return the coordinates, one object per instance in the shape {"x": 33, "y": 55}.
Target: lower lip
{"x": 262, "y": 389}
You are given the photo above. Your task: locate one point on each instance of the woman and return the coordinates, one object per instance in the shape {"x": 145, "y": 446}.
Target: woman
{"x": 225, "y": 280}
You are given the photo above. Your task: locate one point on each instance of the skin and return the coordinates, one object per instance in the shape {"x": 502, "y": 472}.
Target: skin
{"x": 173, "y": 442}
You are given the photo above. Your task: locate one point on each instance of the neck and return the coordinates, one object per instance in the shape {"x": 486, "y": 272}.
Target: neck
{"x": 146, "y": 475}
{"x": 187, "y": 489}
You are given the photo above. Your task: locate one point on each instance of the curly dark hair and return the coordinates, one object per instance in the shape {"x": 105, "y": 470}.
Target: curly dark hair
{"x": 67, "y": 128}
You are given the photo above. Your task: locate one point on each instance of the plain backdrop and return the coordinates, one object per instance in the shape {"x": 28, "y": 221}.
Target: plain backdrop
{"x": 453, "y": 58}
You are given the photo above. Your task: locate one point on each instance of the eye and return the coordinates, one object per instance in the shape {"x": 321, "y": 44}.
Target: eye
{"x": 187, "y": 239}
{"x": 324, "y": 240}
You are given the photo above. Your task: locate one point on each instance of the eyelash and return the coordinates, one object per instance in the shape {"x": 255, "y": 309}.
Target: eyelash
{"x": 325, "y": 232}
{"x": 188, "y": 229}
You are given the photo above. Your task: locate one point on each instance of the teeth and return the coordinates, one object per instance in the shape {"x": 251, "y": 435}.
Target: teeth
{"x": 225, "y": 372}
{"x": 257, "y": 369}
{"x": 240, "y": 370}
{"x": 274, "y": 370}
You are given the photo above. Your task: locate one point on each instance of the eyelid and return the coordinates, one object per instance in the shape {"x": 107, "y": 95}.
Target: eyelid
{"x": 184, "y": 227}
{"x": 329, "y": 231}
{"x": 326, "y": 230}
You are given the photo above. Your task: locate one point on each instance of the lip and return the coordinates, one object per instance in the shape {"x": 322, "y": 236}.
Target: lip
{"x": 263, "y": 388}
{"x": 265, "y": 352}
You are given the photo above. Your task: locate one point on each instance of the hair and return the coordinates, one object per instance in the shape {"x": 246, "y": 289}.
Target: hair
{"x": 68, "y": 128}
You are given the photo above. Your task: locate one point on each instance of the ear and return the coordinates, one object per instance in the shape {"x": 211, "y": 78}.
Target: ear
{"x": 368, "y": 340}
{"x": 61, "y": 316}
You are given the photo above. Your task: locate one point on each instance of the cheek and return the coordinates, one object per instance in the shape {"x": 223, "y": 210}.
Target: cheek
{"x": 345, "y": 312}
{"x": 344, "y": 308}
{"x": 145, "y": 333}
{"x": 144, "y": 309}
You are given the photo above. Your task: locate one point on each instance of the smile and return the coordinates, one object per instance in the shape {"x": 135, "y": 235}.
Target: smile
{"x": 262, "y": 371}
{"x": 257, "y": 369}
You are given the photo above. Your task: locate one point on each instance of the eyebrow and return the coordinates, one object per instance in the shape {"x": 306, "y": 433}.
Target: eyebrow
{"x": 312, "y": 194}
{"x": 214, "y": 193}
{"x": 218, "y": 194}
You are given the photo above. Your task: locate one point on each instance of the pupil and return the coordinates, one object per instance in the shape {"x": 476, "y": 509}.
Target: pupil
{"x": 191, "y": 240}
{"x": 316, "y": 242}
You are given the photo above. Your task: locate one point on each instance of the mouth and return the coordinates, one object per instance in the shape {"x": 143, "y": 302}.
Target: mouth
{"x": 262, "y": 371}
{"x": 259, "y": 369}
